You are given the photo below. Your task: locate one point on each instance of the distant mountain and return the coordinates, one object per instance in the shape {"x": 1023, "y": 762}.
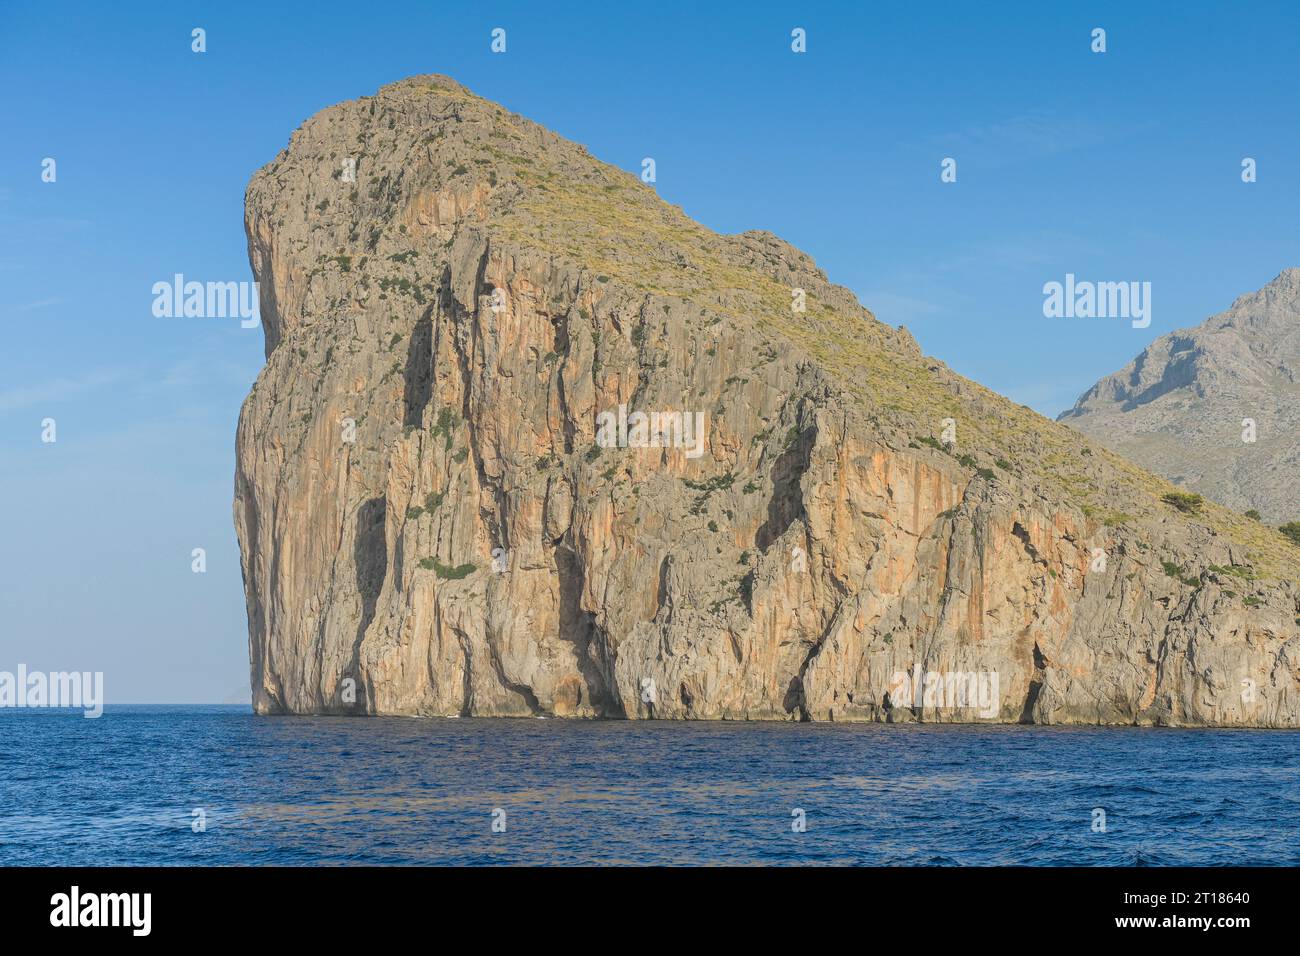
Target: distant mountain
{"x": 1179, "y": 407}
{"x": 240, "y": 695}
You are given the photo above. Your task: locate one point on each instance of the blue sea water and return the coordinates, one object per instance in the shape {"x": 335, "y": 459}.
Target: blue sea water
{"x": 122, "y": 789}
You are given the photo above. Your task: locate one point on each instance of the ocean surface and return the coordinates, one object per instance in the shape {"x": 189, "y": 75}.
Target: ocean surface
{"x": 124, "y": 788}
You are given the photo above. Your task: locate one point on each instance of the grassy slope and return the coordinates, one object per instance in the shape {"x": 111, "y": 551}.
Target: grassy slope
{"x": 612, "y": 224}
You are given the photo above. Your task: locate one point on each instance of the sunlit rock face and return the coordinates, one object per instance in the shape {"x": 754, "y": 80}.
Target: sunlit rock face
{"x": 529, "y": 441}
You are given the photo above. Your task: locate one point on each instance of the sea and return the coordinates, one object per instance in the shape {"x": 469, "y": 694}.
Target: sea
{"x": 173, "y": 785}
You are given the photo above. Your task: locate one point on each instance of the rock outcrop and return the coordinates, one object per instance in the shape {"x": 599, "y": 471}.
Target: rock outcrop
{"x": 437, "y": 515}
{"x": 1215, "y": 408}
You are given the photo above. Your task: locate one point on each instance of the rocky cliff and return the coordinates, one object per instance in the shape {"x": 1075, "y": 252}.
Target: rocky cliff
{"x": 448, "y": 504}
{"x": 1214, "y": 408}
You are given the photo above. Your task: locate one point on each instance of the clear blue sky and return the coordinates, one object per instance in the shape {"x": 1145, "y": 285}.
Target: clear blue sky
{"x": 1120, "y": 166}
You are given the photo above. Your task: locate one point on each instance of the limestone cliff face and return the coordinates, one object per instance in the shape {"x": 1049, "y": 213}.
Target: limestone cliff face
{"x": 428, "y": 511}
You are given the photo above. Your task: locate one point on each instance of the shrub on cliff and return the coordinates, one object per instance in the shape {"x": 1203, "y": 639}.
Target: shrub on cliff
{"x": 1184, "y": 501}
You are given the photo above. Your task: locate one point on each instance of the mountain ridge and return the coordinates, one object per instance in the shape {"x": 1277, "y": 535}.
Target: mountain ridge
{"x": 1184, "y": 405}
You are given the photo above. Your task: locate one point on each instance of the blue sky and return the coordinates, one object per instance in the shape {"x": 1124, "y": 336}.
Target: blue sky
{"x": 1116, "y": 166}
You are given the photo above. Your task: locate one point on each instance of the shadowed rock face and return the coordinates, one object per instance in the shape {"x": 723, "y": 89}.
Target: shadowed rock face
{"x": 425, "y": 512}
{"x": 1179, "y": 407}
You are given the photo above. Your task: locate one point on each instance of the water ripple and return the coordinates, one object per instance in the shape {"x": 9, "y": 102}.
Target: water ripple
{"x": 123, "y": 790}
